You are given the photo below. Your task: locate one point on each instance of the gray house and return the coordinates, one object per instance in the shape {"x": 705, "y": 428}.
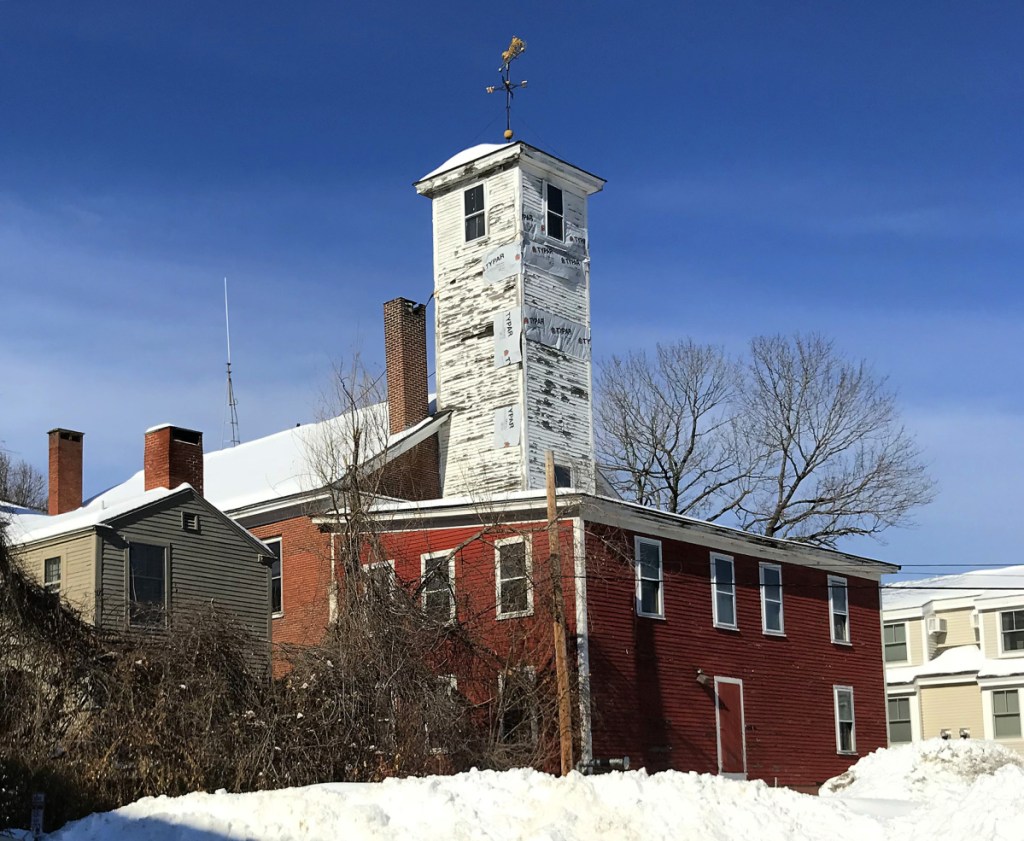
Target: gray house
{"x": 140, "y": 562}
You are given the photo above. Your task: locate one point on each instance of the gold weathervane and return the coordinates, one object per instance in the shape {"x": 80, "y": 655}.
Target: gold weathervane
{"x": 515, "y": 49}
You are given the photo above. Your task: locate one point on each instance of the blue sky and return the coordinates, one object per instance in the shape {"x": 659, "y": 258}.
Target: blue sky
{"x": 855, "y": 169}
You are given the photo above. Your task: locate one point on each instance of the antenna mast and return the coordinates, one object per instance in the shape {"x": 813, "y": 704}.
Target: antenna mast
{"x": 515, "y": 49}
{"x": 232, "y": 403}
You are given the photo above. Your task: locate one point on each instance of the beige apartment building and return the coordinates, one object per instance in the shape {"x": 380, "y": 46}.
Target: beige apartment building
{"x": 954, "y": 656}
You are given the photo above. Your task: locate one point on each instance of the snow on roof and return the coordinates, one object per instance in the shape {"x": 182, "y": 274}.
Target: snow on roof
{"x": 466, "y": 156}
{"x": 960, "y": 660}
{"x": 26, "y": 525}
{"x": 283, "y": 464}
{"x": 981, "y": 582}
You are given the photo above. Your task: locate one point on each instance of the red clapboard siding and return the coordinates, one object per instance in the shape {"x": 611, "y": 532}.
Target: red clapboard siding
{"x": 648, "y": 705}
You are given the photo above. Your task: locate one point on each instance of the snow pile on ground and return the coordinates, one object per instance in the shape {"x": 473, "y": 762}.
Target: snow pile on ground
{"x": 922, "y": 771}
{"x": 949, "y": 790}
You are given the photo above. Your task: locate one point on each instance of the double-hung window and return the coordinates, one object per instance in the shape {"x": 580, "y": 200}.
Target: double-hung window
{"x": 846, "y": 732}
{"x": 649, "y": 577}
{"x": 380, "y": 579}
{"x": 899, "y": 720}
{"x": 1006, "y": 714}
{"x": 839, "y": 608}
{"x": 147, "y": 584}
{"x": 276, "y": 603}
{"x": 517, "y": 707}
{"x": 438, "y": 585}
{"x": 723, "y": 591}
{"x": 512, "y": 573}
{"x": 771, "y": 599}
{"x": 1011, "y": 624}
{"x": 51, "y": 574}
{"x": 894, "y": 642}
{"x": 555, "y": 213}
{"x": 473, "y": 203}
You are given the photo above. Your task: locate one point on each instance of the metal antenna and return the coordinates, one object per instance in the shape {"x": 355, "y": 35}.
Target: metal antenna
{"x": 232, "y": 403}
{"x": 515, "y": 49}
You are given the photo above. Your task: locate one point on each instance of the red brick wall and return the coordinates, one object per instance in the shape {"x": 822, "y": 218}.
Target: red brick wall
{"x": 414, "y": 474}
{"x": 648, "y": 705}
{"x": 305, "y": 582}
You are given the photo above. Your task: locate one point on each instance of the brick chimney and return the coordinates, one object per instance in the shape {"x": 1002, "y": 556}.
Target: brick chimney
{"x": 65, "y": 492}
{"x": 173, "y": 455}
{"x": 405, "y": 351}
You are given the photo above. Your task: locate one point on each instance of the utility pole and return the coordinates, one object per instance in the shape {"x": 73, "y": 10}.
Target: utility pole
{"x": 558, "y": 621}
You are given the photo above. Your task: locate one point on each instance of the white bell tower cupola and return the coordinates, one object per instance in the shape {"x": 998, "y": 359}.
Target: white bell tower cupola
{"x": 512, "y": 318}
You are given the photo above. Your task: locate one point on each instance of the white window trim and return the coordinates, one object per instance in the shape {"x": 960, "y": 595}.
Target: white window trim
{"x": 267, "y": 541}
{"x": 528, "y": 548}
{"x": 838, "y": 580}
{"x": 547, "y": 232}
{"x": 465, "y": 216}
{"x": 781, "y": 630}
{"x": 906, "y": 643}
{"x": 999, "y": 632}
{"x": 637, "y": 541}
{"x": 715, "y": 558}
{"x": 428, "y": 556}
{"x": 853, "y": 712}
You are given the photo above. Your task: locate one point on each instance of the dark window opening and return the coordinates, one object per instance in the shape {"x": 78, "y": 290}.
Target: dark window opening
{"x": 147, "y": 583}
{"x": 276, "y": 605}
{"x": 563, "y": 476}
{"x": 555, "y": 215}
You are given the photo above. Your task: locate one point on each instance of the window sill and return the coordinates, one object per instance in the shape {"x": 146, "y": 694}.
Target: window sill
{"x": 778, "y": 634}
{"x": 846, "y": 753}
{"x": 278, "y": 615}
{"x": 845, "y": 643}
{"x": 660, "y": 616}
{"x": 518, "y": 614}
{"x": 720, "y": 627}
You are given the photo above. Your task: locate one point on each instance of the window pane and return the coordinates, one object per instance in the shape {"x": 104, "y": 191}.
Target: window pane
{"x": 723, "y": 572}
{"x": 845, "y": 705}
{"x": 514, "y": 596}
{"x": 554, "y": 199}
{"x": 649, "y": 597}
{"x": 474, "y": 199}
{"x": 899, "y": 732}
{"x": 275, "y": 595}
{"x": 474, "y": 226}
{"x": 839, "y": 627}
{"x": 895, "y": 653}
{"x": 51, "y": 573}
{"x": 555, "y": 227}
{"x": 650, "y": 561}
{"x": 512, "y": 560}
{"x": 846, "y": 736}
{"x": 773, "y": 616}
{"x": 726, "y": 608}
{"x": 1007, "y": 727}
{"x": 838, "y": 590}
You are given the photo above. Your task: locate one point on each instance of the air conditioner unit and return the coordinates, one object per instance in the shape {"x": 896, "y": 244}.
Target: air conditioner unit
{"x": 935, "y": 625}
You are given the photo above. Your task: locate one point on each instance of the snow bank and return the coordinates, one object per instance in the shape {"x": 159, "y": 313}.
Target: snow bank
{"x": 949, "y": 790}
{"x": 923, "y": 771}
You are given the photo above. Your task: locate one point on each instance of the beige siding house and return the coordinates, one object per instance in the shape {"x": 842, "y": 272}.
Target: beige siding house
{"x": 138, "y": 563}
{"x": 954, "y": 656}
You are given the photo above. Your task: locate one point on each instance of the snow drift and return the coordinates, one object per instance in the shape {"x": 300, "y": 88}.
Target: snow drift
{"x": 950, "y": 790}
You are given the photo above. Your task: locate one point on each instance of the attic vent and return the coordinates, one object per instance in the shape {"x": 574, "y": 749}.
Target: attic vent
{"x": 189, "y": 521}
{"x": 187, "y": 436}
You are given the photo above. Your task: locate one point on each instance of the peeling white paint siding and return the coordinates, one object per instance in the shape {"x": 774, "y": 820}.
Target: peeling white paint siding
{"x": 551, "y": 388}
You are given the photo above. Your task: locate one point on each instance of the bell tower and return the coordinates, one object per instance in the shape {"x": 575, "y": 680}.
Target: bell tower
{"x": 512, "y": 318}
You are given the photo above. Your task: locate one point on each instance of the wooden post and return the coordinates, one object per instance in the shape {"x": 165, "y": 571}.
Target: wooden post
{"x": 558, "y": 621}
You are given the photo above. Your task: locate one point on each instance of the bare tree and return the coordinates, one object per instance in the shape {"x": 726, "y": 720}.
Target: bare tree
{"x": 835, "y": 459}
{"x": 21, "y": 483}
{"x": 666, "y": 429}
{"x": 798, "y": 443}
